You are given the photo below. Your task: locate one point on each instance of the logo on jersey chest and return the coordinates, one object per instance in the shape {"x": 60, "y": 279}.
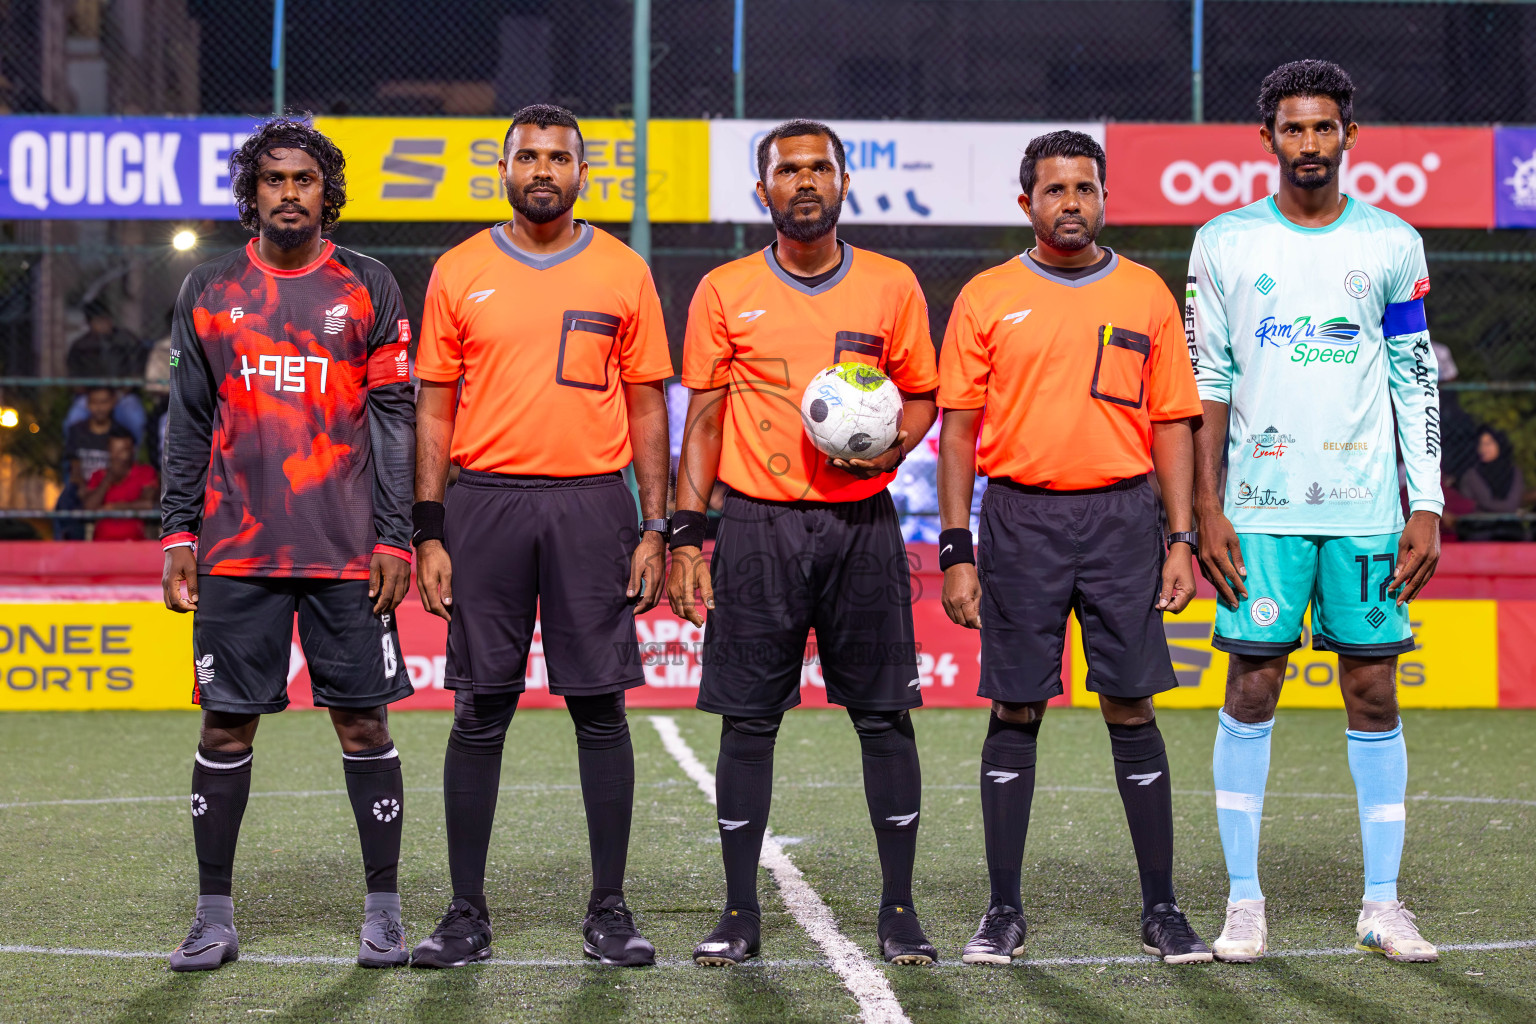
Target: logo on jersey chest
{"x": 336, "y": 318}
{"x": 1357, "y": 283}
{"x": 1271, "y": 444}
{"x": 1333, "y": 331}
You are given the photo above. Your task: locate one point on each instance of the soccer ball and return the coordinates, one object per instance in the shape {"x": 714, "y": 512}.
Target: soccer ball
{"x": 851, "y": 411}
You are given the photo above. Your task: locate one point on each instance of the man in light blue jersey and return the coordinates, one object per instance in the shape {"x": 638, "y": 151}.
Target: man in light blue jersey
{"x": 1305, "y": 317}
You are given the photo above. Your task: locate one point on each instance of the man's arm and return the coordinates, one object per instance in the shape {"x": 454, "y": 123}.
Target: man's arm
{"x": 647, "y": 404}
{"x": 1173, "y": 458}
{"x": 188, "y": 447}
{"x": 1210, "y": 352}
{"x": 392, "y": 437}
{"x": 696, "y": 472}
{"x": 149, "y": 494}
{"x": 1413, "y": 380}
{"x": 957, "y": 486}
{"x": 436, "y": 407}
{"x": 1221, "y": 557}
{"x": 92, "y": 498}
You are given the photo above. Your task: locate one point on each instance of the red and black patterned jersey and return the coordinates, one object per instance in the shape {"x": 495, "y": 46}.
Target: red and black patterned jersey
{"x": 290, "y": 446}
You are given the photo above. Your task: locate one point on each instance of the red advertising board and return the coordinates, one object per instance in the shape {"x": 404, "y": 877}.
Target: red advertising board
{"x": 1189, "y": 173}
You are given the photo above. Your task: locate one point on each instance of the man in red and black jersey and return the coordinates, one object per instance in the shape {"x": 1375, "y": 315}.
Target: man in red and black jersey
{"x": 288, "y": 470}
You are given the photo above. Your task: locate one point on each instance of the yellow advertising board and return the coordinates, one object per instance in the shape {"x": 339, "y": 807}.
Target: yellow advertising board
{"x": 65, "y": 656}
{"x": 1454, "y": 665}
{"x": 444, "y": 168}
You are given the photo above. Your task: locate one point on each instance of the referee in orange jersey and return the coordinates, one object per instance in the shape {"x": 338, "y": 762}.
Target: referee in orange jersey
{"x": 1071, "y": 362}
{"x": 541, "y": 359}
{"x": 805, "y": 543}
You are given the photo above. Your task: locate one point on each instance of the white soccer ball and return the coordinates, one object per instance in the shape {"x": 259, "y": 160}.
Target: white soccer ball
{"x": 851, "y": 411}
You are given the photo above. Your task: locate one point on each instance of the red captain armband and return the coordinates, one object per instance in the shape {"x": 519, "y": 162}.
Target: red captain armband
{"x": 179, "y": 540}
{"x": 389, "y": 364}
{"x": 390, "y": 549}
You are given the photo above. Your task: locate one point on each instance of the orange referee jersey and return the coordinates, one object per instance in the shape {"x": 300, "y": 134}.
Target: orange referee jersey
{"x": 1072, "y": 374}
{"x": 762, "y": 334}
{"x": 542, "y": 345}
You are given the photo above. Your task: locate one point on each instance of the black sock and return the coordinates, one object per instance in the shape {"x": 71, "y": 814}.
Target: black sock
{"x": 1141, "y": 773}
{"x": 221, "y": 783}
{"x": 377, "y": 791}
{"x": 471, "y": 778}
{"x": 1007, "y": 791}
{"x": 743, "y": 793}
{"x": 607, "y": 760}
{"x": 893, "y": 789}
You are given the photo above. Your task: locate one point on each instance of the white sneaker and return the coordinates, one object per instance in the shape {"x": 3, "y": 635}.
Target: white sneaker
{"x": 1388, "y": 928}
{"x": 1245, "y": 936}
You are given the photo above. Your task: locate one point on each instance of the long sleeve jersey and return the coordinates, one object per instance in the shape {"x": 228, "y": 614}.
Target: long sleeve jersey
{"x": 1314, "y": 338}
{"x": 290, "y": 447}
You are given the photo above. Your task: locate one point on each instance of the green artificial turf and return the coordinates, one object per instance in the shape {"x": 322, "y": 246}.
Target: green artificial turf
{"x": 122, "y": 877}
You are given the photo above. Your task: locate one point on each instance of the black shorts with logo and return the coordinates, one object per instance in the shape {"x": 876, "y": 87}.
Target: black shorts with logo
{"x": 780, "y": 569}
{"x": 1043, "y": 555}
{"x": 242, "y": 636}
{"x": 555, "y": 548}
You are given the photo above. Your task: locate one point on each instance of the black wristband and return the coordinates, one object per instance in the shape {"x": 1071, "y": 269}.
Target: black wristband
{"x": 426, "y": 522}
{"x": 687, "y": 529}
{"x": 955, "y": 548}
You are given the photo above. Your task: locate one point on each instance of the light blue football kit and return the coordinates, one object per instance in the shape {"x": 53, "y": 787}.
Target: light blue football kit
{"x": 1314, "y": 338}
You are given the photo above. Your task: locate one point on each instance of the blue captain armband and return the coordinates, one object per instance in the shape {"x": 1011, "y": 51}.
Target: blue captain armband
{"x": 1404, "y": 318}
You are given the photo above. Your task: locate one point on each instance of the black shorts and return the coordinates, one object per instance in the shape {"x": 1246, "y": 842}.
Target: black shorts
{"x": 782, "y": 568}
{"x": 242, "y": 637}
{"x": 1042, "y": 556}
{"x": 553, "y": 547}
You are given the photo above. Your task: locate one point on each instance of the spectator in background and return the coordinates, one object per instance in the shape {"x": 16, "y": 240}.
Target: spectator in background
{"x": 124, "y": 484}
{"x": 157, "y": 393}
{"x": 106, "y": 350}
{"x": 1494, "y": 484}
{"x": 86, "y": 446}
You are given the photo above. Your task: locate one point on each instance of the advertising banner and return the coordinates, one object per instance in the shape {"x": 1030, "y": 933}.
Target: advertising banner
{"x": 425, "y": 168}
{"x": 444, "y": 169}
{"x": 96, "y": 656}
{"x": 1455, "y": 665}
{"x": 903, "y": 172}
{"x": 1189, "y": 173}
{"x": 119, "y": 168}
{"x": 73, "y": 655}
{"x": 1514, "y": 174}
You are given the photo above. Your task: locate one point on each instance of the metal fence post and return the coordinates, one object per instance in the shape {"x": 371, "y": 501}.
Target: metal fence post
{"x": 279, "y": 59}
{"x": 739, "y": 107}
{"x": 640, "y": 222}
{"x": 1197, "y": 61}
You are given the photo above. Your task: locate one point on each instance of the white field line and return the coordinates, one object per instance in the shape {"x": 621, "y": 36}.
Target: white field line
{"x": 536, "y": 787}
{"x": 877, "y": 1003}
{"x": 679, "y": 961}
{"x": 540, "y": 787}
{"x": 968, "y": 786}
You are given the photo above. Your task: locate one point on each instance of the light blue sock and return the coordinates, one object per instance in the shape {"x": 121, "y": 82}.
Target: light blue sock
{"x": 1379, "y": 763}
{"x": 1240, "y": 766}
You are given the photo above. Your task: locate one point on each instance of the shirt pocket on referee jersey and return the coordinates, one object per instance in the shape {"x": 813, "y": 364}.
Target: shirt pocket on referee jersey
{"x": 1119, "y": 370}
{"x": 586, "y": 349}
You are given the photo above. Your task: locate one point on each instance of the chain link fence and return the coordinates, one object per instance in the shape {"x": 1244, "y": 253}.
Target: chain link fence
{"x": 942, "y": 60}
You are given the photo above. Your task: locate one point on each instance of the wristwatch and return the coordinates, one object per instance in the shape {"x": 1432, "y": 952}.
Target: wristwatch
{"x": 1190, "y": 537}
{"x": 661, "y": 526}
